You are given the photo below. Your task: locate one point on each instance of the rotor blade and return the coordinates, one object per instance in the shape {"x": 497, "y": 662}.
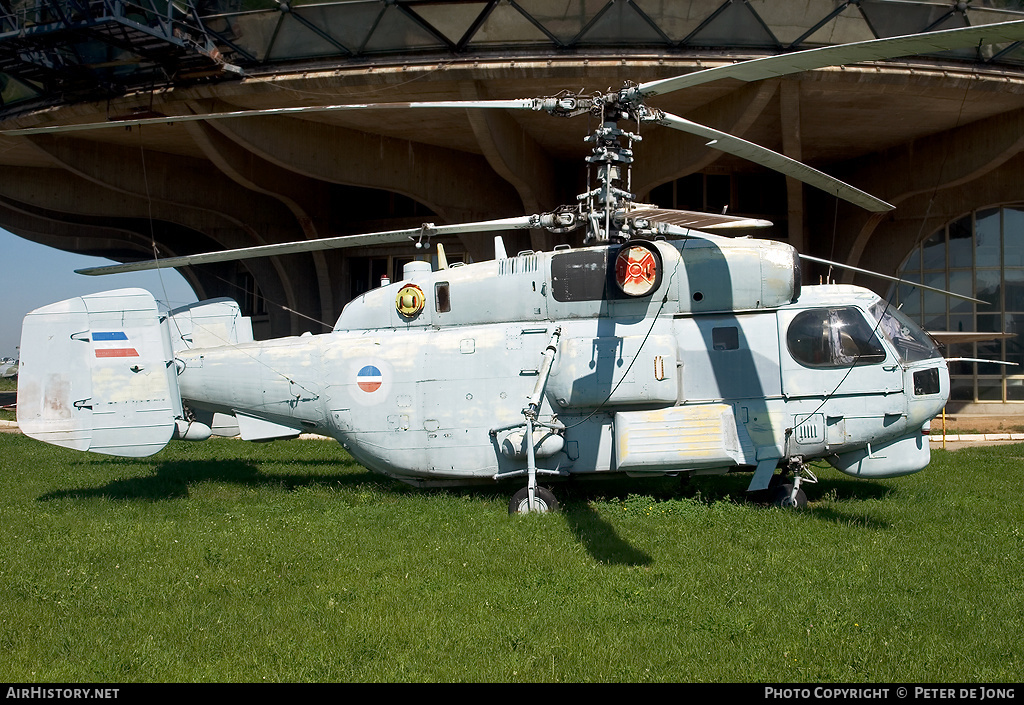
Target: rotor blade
{"x": 978, "y": 359}
{"x": 892, "y": 279}
{"x": 773, "y": 160}
{"x": 515, "y": 104}
{"x": 668, "y": 229}
{"x": 333, "y": 243}
{"x": 946, "y": 336}
{"x": 871, "y": 50}
{"x": 693, "y": 219}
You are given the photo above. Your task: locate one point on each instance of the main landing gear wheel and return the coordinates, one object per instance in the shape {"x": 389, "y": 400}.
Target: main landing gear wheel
{"x": 543, "y": 498}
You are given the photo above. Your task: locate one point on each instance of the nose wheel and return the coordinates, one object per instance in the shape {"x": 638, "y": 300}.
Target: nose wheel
{"x": 789, "y": 495}
{"x": 784, "y": 489}
{"x": 543, "y": 501}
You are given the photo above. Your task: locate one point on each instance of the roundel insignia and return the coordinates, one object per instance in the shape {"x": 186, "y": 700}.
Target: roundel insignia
{"x": 637, "y": 269}
{"x": 410, "y": 300}
{"x": 369, "y": 379}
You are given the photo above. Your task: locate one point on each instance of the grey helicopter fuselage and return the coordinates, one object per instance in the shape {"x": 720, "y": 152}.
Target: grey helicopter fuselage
{"x": 723, "y": 363}
{"x": 641, "y": 357}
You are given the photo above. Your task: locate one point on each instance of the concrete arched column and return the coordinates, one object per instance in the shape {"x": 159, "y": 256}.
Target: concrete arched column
{"x": 792, "y": 147}
{"x": 187, "y": 189}
{"x": 124, "y": 237}
{"x": 922, "y": 214}
{"x": 53, "y": 231}
{"x": 453, "y": 184}
{"x": 516, "y": 157}
{"x": 457, "y": 186}
{"x": 74, "y": 199}
{"x": 79, "y": 202}
{"x": 84, "y": 239}
{"x": 927, "y": 166}
{"x": 303, "y": 196}
{"x": 670, "y": 154}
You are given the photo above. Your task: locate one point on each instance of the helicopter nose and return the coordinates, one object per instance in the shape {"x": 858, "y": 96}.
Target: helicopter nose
{"x": 927, "y": 392}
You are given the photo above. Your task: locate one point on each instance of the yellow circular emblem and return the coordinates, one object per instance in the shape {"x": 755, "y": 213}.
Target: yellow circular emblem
{"x": 410, "y": 300}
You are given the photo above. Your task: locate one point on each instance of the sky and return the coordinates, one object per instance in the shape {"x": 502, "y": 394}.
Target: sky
{"x": 33, "y": 275}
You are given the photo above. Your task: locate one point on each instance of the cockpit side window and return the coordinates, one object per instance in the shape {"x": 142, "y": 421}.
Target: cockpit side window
{"x": 911, "y": 343}
{"x": 833, "y": 337}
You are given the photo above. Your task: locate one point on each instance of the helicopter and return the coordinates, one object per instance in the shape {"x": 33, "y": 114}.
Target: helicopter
{"x": 662, "y": 346}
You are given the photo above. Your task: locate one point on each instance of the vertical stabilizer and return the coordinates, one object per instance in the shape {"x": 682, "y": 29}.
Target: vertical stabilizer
{"x": 97, "y": 375}
{"x": 208, "y": 324}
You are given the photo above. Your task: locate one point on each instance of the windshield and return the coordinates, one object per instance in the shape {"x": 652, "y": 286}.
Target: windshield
{"x": 911, "y": 343}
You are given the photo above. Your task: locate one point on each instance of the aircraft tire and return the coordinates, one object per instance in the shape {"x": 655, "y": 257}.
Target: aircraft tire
{"x": 519, "y": 504}
{"x": 782, "y": 496}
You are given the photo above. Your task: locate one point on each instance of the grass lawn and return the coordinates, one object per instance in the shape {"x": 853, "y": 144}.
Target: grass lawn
{"x": 231, "y": 561}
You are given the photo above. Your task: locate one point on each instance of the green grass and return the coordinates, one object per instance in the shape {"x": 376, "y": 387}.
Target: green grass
{"x": 230, "y": 561}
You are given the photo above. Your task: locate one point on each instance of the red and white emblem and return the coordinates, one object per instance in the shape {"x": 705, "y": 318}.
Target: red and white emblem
{"x": 636, "y": 270}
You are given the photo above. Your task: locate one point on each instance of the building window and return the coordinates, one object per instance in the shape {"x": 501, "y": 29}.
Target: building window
{"x": 980, "y": 255}
{"x": 250, "y": 298}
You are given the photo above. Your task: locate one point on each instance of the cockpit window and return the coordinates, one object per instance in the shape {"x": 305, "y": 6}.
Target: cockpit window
{"x": 833, "y": 337}
{"x": 911, "y": 343}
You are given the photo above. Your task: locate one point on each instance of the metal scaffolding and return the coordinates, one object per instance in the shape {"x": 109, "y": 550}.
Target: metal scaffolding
{"x": 103, "y": 46}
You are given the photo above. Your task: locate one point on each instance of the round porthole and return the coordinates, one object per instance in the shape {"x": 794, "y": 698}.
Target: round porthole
{"x": 638, "y": 269}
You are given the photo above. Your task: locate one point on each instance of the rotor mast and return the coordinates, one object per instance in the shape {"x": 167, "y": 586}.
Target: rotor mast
{"x": 612, "y": 160}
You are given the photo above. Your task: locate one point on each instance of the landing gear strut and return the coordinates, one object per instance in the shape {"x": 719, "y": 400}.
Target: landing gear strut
{"x": 533, "y": 497}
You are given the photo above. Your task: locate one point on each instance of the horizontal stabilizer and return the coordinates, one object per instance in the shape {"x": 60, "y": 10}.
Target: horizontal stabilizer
{"x": 96, "y": 375}
{"x": 253, "y": 428}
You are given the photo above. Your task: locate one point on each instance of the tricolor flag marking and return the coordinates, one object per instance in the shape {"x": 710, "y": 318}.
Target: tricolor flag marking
{"x": 369, "y": 379}
{"x": 112, "y": 344}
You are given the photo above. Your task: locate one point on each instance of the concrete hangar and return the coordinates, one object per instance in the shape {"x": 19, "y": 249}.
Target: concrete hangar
{"x": 939, "y": 136}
